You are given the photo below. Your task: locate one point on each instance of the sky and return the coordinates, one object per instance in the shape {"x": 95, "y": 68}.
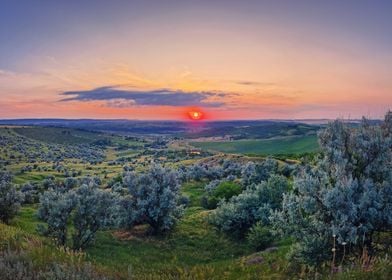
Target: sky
{"x": 228, "y": 59}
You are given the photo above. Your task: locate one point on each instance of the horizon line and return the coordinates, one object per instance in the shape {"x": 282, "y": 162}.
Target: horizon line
{"x": 173, "y": 120}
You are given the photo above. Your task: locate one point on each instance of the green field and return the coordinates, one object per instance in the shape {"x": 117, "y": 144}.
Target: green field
{"x": 277, "y": 146}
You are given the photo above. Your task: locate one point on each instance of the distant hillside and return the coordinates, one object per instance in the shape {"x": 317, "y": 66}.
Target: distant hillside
{"x": 60, "y": 135}
{"x": 233, "y": 129}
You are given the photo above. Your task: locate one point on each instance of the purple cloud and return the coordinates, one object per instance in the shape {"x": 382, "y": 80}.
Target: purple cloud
{"x": 158, "y": 97}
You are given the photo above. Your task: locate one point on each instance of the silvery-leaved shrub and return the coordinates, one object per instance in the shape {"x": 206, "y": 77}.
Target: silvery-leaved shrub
{"x": 346, "y": 196}
{"x": 154, "y": 198}
{"x": 56, "y": 206}
{"x": 253, "y": 174}
{"x": 255, "y": 204}
{"x": 10, "y": 198}
{"x": 94, "y": 210}
{"x": 88, "y": 208}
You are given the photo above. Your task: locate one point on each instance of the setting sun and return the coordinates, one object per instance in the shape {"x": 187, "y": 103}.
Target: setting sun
{"x": 195, "y": 115}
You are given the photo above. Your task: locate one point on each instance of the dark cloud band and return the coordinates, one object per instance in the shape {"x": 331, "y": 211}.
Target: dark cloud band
{"x": 159, "y": 97}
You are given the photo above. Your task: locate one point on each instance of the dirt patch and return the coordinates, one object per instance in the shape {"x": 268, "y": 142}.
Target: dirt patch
{"x": 136, "y": 233}
{"x": 253, "y": 260}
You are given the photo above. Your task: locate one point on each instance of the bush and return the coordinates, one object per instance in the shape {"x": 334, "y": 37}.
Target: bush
{"x": 184, "y": 200}
{"x": 10, "y": 198}
{"x": 155, "y": 198}
{"x": 94, "y": 210}
{"x": 223, "y": 191}
{"x": 260, "y": 237}
{"x": 55, "y": 209}
{"x": 30, "y": 193}
{"x": 241, "y": 212}
{"x": 18, "y": 266}
{"x": 253, "y": 174}
{"x": 88, "y": 208}
{"x": 347, "y": 194}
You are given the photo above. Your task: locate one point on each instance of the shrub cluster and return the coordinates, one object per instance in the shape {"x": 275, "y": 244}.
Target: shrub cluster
{"x": 10, "y": 198}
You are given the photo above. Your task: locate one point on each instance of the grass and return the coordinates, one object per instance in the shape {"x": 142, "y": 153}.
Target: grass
{"x": 278, "y": 146}
{"x": 194, "y": 191}
{"x": 193, "y": 248}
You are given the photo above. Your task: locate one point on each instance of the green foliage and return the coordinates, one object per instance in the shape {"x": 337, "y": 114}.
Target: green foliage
{"x": 236, "y": 216}
{"x": 227, "y": 190}
{"x": 10, "y": 198}
{"x": 260, "y": 237}
{"x": 224, "y": 191}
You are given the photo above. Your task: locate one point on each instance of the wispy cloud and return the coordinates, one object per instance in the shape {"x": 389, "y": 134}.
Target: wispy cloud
{"x": 158, "y": 97}
{"x": 252, "y": 83}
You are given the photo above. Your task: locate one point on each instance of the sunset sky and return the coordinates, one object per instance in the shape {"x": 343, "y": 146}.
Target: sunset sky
{"x": 231, "y": 59}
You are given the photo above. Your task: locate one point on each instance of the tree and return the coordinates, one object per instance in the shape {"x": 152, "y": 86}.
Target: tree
{"x": 10, "y": 198}
{"x": 155, "y": 196}
{"x": 347, "y": 195}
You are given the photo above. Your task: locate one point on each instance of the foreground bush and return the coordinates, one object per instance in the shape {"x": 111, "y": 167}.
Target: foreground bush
{"x": 95, "y": 210}
{"x": 18, "y": 266}
{"x": 55, "y": 209}
{"x": 260, "y": 237}
{"x": 347, "y": 196}
{"x": 10, "y": 198}
{"x": 88, "y": 209}
{"x": 155, "y": 198}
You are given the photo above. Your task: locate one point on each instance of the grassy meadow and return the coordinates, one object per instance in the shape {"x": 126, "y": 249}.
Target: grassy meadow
{"x": 193, "y": 250}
